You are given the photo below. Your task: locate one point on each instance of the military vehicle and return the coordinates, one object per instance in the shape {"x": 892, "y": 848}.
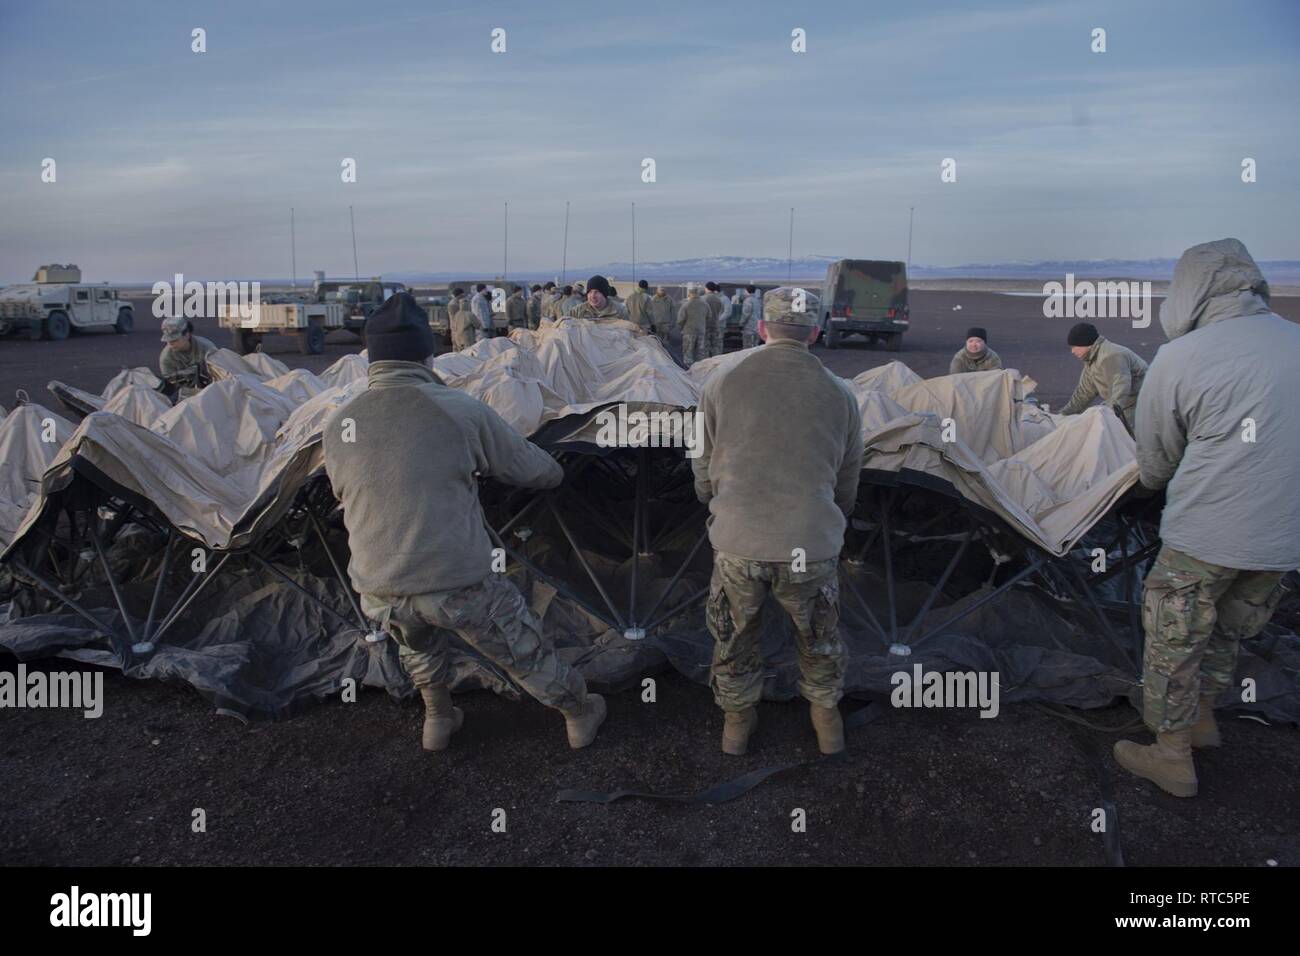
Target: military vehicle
{"x": 439, "y": 321}
{"x": 56, "y": 302}
{"x": 866, "y": 297}
{"x": 309, "y": 321}
{"x": 361, "y": 297}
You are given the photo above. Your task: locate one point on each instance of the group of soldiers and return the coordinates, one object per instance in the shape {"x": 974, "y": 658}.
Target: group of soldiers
{"x": 699, "y": 322}
{"x": 1214, "y": 419}
{"x": 1218, "y": 432}
{"x": 1111, "y": 372}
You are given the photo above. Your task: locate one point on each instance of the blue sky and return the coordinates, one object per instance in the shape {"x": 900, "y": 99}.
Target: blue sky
{"x": 172, "y": 161}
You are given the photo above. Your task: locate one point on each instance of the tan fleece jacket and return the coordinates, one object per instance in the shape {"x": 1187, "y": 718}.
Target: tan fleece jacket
{"x": 781, "y": 454}
{"x": 408, "y": 480}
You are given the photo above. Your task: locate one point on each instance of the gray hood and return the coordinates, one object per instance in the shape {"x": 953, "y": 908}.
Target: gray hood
{"x": 1213, "y": 281}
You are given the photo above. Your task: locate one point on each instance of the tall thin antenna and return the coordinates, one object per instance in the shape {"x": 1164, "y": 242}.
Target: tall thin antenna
{"x": 789, "y": 262}
{"x": 564, "y": 268}
{"x": 293, "y": 249}
{"x": 505, "y": 246}
{"x": 910, "y": 211}
{"x": 356, "y": 270}
{"x": 634, "y": 242}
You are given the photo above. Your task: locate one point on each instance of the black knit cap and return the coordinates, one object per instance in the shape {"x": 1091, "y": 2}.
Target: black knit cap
{"x": 642, "y": 284}
{"x": 399, "y": 331}
{"x": 1084, "y": 333}
{"x": 977, "y": 333}
{"x": 600, "y": 284}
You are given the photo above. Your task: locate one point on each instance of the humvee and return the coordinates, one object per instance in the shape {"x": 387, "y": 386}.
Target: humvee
{"x": 361, "y": 298}
{"x": 866, "y": 297}
{"x": 56, "y": 301}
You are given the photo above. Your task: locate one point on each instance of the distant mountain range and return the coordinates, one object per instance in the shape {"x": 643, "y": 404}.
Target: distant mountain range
{"x": 804, "y": 268}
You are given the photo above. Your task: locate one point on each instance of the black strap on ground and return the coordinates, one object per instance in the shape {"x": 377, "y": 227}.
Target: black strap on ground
{"x": 722, "y": 792}
{"x": 1088, "y": 745}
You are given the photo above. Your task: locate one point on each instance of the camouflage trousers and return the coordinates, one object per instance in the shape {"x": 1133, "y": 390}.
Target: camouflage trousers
{"x": 714, "y": 344}
{"x": 694, "y": 345}
{"x": 492, "y": 618}
{"x": 811, "y": 598}
{"x": 749, "y": 337}
{"x": 1194, "y": 615}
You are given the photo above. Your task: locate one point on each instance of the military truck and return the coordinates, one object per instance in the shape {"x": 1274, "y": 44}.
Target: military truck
{"x": 56, "y": 302}
{"x": 361, "y": 297}
{"x": 439, "y": 321}
{"x": 866, "y": 297}
{"x": 308, "y": 321}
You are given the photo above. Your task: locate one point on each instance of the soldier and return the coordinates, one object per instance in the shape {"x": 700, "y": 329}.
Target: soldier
{"x": 406, "y": 472}
{"x": 638, "y": 305}
{"x": 535, "y": 307}
{"x": 693, "y": 321}
{"x": 549, "y": 295}
{"x": 976, "y": 356}
{"x": 183, "y": 361}
{"x": 600, "y": 302}
{"x": 572, "y": 299}
{"x": 1109, "y": 370}
{"x": 661, "y": 314}
{"x": 1230, "y": 527}
{"x": 751, "y": 311}
{"x": 780, "y": 455}
{"x": 516, "y": 311}
{"x": 461, "y": 321}
{"x": 713, "y": 333}
{"x": 482, "y": 311}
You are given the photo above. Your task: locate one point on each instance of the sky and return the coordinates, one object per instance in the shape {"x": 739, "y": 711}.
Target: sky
{"x": 168, "y": 160}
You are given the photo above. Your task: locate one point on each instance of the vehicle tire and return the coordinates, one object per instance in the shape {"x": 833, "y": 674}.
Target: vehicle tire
{"x": 125, "y": 321}
{"x": 57, "y": 326}
{"x": 241, "y": 341}
{"x": 894, "y": 341}
{"x": 311, "y": 340}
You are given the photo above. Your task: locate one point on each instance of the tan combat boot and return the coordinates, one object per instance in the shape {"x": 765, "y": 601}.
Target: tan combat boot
{"x": 1205, "y": 732}
{"x": 1167, "y": 763}
{"x": 830, "y": 728}
{"x": 441, "y": 719}
{"x": 581, "y": 724}
{"x": 737, "y": 725}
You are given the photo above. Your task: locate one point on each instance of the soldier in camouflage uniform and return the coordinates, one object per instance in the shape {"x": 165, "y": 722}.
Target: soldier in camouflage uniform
{"x": 662, "y": 311}
{"x": 535, "y": 307}
{"x": 780, "y": 457}
{"x": 713, "y": 331}
{"x": 1111, "y": 372}
{"x": 183, "y": 361}
{"x": 404, "y": 459}
{"x": 600, "y": 303}
{"x": 1230, "y": 527}
{"x": 516, "y": 311}
{"x": 461, "y": 321}
{"x": 751, "y": 310}
{"x": 693, "y": 321}
{"x": 975, "y": 355}
{"x": 637, "y": 305}
{"x": 550, "y": 294}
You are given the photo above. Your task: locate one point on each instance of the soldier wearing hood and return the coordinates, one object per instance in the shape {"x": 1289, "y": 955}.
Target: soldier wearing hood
{"x": 1218, "y": 429}
{"x": 460, "y": 320}
{"x": 406, "y": 472}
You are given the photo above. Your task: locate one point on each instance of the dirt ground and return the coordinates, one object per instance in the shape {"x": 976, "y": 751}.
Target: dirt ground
{"x": 348, "y": 784}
